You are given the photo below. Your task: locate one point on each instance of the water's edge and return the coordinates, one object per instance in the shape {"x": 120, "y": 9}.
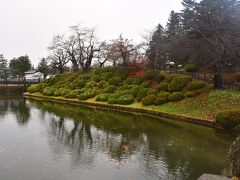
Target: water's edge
{"x": 193, "y": 120}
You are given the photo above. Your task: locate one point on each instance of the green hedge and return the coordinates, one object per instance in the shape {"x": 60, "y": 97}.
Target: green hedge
{"x": 190, "y": 68}
{"x": 102, "y": 97}
{"x": 229, "y": 119}
{"x": 195, "y": 85}
{"x": 49, "y": 91}
{"x": 109, "y": 89}
{"x": 148, "y": 100}
{"x": 125, "y": 100}
{"x": 179, "y": 83}
{"x": 36, "y": 88}
{"x": 162, "y": 98}
{"x": 190, "y": 94}
{"x": 162, "y": 87}
{"x": 83, "y": 97}
{"x": 142, "y": 93}
{"x": 176, "y": 96}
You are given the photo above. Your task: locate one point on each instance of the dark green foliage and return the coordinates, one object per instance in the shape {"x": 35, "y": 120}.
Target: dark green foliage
{"x": 152, "y": 92}
{"x": 190, "y": 68}
{"x": 149, "y": 100}
{"x": 115, "y": 81}
{"x": 83, "y": 97}
{"x": 160, "y": 77}
{"x": 176, "y": 96}
{"x": 91, "y": 84}
{"x": 135, "y": 90}
{"x": 49, "y": 91}
{"x": 170, "y": 77}
{"x": 129, "y": 81}
{"x": 229, "y": 119}
{"x": 150, "y": 75}
{"x": 162, "y": 87}
{"x": 142, "y": 93}
{"x": 162, "y": 98}
{"x": 96, "y": 78}
{"x": 113, "y": 99}
{"x": 124, "y": 87}
{"x": 62, "y": 92}
{"x": 125, "y": 100}
{"x": 71, "y": 95}
{"x": 52, "y": 80}
{"x": 179, "y": 83}
{"x": 19, "y": 66}
{"x": 107, "y": 76}
{"x": 190, "y": 94}
{"x": 102, "y": 97}
{"x": 195, "y": 85}
{"x": 145, "y": 84}
{"x": 36, "y": 88}
{"x": 109, "y": 89}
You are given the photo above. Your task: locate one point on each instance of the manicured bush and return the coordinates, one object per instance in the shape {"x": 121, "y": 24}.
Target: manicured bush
{"x": 189, "y": 94}
{"x": 96, "y": 78}
{"x": 109, "y": 89}
{"x": 162, "y": 87}
{"x": 113, "y": 99}
{"x": 229, "y": 119}
{"x": 170, "y": 77}
{"x": 102, "y": 84}
{"x": 179, "y": 83}
{"x": 162, "y": 98}
{"x": 91, "y": 84}
{"x": 142, "y": 93}
{"x": 107, "y": 76}
{"x": 62, "y": 92}
{"x": 149, "y": 100}
{"x": 83, "y": 97}
{"x": 129, "y": 81}
{"x": 138, "y": 81}
{"x": 125, "y": 100}
{"x": 152, "y": 92}
{"x": 121, "y": 72}
{"x": 160, "y": 77}
{"x": 36, "y": 88}
{"x": 49, "y": 91}
{"x": 102, "y": 97}
{"x": 150, "y": 75}
{"x": 124, "y": 87}
{"x": 237, "y": 76}
{"x": 190, "y": 68}
{"x": 115, "y": 81}
{"x": 51, "y": 80}
{"x": 145, "y": 84}
{"x": 135, "y": 90}
{"x": 195, "y": 85}
{"x": 176, "y": 96}
{"x": 71, "y": 95}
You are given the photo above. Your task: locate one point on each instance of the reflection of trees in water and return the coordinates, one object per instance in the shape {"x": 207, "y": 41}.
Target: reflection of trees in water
{"x": 17, "y": 105}
{"x": 163, "y": 147}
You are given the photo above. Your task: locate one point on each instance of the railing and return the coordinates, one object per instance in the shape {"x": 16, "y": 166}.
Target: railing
{"x": 18, "y": 82}
{"x": 226, "y": 84}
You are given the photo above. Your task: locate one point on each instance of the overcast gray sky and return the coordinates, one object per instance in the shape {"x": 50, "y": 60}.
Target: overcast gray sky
{"x": 27, "y": 26}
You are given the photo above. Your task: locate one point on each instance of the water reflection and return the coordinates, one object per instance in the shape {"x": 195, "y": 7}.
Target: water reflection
{"x": 15, "y": 104}
{"x": 159, "y": 148}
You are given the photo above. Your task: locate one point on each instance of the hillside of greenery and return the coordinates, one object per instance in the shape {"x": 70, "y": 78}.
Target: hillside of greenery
{"x": 170, "y": 93}
{"x": 114, "y": 86}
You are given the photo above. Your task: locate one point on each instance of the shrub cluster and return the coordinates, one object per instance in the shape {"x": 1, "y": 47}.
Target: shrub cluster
{"x": 178, "y": 83}
{"x": 229, "y": 119}
{"x": 195, "y": 85}
{"x": 190, "y": 68}
{"x": 148, "y": 100}
{"x": 176, "y": 96}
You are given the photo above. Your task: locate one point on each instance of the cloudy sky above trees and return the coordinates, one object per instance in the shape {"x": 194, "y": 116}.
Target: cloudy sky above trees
{"x": 28, "y": 26}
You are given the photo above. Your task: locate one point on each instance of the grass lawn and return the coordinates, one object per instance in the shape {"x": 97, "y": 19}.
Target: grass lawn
{"x": 205, "y": 105}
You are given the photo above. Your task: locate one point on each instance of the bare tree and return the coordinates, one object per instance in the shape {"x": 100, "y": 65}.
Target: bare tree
{"x": 59, "y": 56}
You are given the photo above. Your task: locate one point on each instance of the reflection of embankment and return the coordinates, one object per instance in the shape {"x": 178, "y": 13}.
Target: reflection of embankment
{"x": 17, "y": 105}
{"x": 159, "y": 143}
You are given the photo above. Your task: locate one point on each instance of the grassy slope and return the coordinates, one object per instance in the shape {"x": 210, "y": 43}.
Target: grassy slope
{"x": 205, "y": 105}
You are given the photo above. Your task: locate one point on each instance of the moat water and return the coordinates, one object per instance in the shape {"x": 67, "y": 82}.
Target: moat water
{"x": 42, "y": 140}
